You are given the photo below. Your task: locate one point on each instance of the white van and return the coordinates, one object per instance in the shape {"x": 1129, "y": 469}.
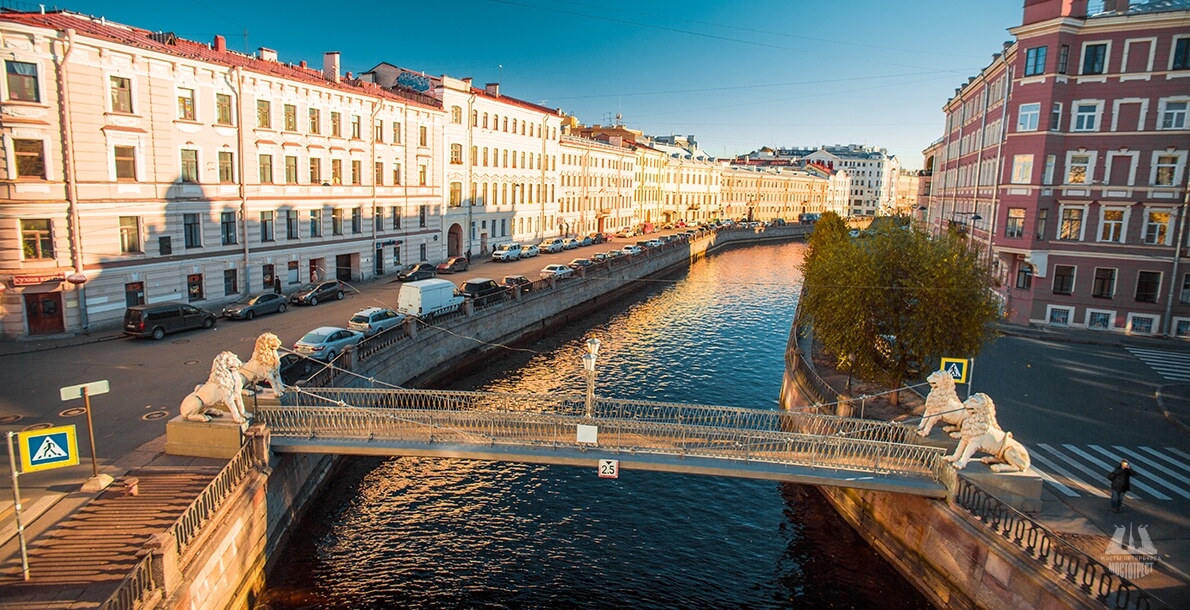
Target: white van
{"x": 428, "y": 298}
{"x": 507, "y": 252}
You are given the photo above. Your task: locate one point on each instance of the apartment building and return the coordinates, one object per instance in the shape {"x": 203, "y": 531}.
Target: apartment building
{"x": 1068, "y": 155}
{"x": 873, "y": 174}
{"x": 692, "y": 180}
{"x": 140, "y": 167}
{"x": 764, "y": 193}
{"x": 598, "y": 186}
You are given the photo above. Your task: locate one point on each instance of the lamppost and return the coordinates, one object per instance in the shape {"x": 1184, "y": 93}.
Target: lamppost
{"x": 589, "y": 359}
{"x": 850, "y": 368}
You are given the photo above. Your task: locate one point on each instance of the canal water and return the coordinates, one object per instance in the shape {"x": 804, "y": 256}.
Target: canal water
{"x": 444, "y": 533}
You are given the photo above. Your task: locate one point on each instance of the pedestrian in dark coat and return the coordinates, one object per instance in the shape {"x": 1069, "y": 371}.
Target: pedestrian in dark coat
{"x": 1121, "y": 483}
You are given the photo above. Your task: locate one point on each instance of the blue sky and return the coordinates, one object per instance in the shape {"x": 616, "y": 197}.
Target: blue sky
{"x": 737, "y": 74}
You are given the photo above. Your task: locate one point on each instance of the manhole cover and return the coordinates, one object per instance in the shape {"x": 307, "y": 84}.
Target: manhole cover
{"x": 152, "y": 415}
{"x": 180, "y": 341}
{"x": 75, "y": 412}
{"x": 41, "y": 426}
{"x": 190, "y": 362}
{"x": 10, "y": 419}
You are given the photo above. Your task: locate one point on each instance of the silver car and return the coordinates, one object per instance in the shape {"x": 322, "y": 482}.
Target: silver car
{"x": 375, "y": 320}
{"x": 326, "y": 342}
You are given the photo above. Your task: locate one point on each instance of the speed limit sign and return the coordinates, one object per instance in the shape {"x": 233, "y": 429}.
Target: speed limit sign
{"x": 609, "y": 469}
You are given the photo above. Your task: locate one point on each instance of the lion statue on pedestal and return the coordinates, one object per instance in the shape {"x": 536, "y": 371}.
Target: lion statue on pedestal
{"x": 265, "y": 364}
{"x": 981, "y": 432}
{"x": 942, "y": 404}
{"x": 222, "y": 388}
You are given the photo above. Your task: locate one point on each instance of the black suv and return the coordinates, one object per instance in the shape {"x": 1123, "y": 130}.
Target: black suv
{"x": 312, "y": 294}
{"x": 481, "y": 290}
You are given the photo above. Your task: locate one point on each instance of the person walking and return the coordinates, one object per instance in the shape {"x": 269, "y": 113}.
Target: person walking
{"x": 1121, "y": 483}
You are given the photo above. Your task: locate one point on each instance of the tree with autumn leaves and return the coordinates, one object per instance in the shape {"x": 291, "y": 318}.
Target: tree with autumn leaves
{"x": 895, "y": 298}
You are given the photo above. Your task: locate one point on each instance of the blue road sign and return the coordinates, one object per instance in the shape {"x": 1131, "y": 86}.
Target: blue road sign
{"x": 48, "y": 448}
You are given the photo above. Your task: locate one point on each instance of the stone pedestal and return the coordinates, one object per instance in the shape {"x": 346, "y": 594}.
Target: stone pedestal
{"x": 219, "y": 438}
{"x": 1020, "y": 490}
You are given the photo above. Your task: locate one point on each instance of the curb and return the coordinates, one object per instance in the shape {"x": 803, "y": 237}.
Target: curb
{"x": 16, "y": 351}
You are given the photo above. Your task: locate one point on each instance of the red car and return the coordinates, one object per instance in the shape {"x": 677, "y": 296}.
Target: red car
{"x": 454, "y": 264}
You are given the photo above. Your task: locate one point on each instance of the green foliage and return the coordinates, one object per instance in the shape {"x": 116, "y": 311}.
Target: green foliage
{"x": 895, "y": 299}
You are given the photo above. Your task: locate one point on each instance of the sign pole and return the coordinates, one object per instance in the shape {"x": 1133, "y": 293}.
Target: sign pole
{"x": 970, "y": 376}
{"x": 91, "y": 431}
{"x": 16, "y": 505}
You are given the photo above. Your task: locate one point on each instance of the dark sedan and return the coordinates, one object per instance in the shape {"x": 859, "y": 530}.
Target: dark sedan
{"x": 312, "y": 294}
{"x": 420, "y": 271}
{"x": 255, "y": 305}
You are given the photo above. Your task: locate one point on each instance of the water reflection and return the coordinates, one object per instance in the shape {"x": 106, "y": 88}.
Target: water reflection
{"x": 439, "y": 533}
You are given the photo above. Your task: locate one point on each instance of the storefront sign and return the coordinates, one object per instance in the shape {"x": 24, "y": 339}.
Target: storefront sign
{"x": 33, "y": 280}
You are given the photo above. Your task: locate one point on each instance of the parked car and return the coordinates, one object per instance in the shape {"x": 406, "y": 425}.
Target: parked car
{"x": 555, "y": 244}
{"x": 612, "y": 254}
{"x": 311, "y": 294}
{"x": 530, "y": 251}
{"x": 575, "y": 263}
{"x": 326, "y": 342}
{"x": 417, "y": 271}
{"x": 294, "y": 368}
{"x": 481, "y": 290}
{"x": 560, "y": 272}
{"x": 516, "y": 282}
{"x": 598, "y": 257}
{"x": 453, "y": 264}
{"x": 585, "y": 240}
{"x": 597, "y": 238}
{"x": 629, "y": 232}
{"x": 375, "y": 320}
{"x": 158, "y": 320}
{"x": 630, "y": 249}
{"x": 507, "y": 252}
{"x": 255, "y": 305}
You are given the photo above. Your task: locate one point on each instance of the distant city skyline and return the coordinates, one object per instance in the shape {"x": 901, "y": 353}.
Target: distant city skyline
{"x": 737, "y": 76}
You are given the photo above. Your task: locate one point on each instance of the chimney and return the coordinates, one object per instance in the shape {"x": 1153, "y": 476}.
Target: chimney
{"x": 220, "y": 44}
{"x": 302, "y": 64}
{"x": 330, "y": 66}
{"x": 467, "y": 82}
{"x": 1037, "y": 11}
{"x": 266, "y": 54}
{"x": 492, "y": 89}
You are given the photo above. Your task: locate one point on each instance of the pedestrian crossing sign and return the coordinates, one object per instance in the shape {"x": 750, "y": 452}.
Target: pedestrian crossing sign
{"x": 48, "y": 448}
{"x": 958, "y": 368}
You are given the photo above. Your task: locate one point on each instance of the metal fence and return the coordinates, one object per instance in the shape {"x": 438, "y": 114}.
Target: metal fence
{"x": 135, "y": 589}
{"x": 1073, "y": 564}
{"x": 186, "y": 528}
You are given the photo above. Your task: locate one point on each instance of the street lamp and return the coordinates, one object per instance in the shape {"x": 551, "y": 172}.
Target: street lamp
{"x": 589, "y": 359}
{"x": 850, "y": 368}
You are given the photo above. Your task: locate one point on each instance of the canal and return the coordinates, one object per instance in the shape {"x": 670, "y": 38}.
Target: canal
{"x": 443, "y": 533}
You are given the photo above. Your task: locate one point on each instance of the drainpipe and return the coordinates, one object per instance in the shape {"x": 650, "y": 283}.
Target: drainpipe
{"x": 239, "y": 76}
{"x": 1177, "y": 255}
{"x": 469, "y": 171}
{"x": 76, "y": 241}
{"x": 376, "y": 252}
{"x": 999, "y": 171}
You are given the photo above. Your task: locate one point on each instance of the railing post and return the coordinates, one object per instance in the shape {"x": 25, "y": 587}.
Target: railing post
{"x": 411, "y": 327}
{"x": 164, "y": 550}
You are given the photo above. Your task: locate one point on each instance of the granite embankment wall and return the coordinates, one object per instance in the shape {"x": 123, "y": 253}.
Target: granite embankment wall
{"x": 231, "y": 549}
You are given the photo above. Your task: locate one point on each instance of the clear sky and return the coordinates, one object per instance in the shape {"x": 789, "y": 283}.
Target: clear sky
{"x": 737, "y": 74}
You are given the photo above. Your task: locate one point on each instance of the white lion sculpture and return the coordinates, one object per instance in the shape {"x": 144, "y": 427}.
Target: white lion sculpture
{"x": 222, "y": 388}
{"x": 981, "y": 432}
{"x": 942, "y": 404}
{"x": 265, "y": 364}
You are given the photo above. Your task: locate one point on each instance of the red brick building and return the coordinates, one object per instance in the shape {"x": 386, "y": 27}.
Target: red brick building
{"x": 1067, "y": 158}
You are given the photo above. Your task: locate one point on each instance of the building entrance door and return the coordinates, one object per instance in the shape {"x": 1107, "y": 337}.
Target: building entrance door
{"x": 44, "y": 312}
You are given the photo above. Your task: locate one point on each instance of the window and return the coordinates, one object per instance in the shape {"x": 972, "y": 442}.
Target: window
{"x": 186, "y": 104}
{"x": 125, "y": 162}
{"x": 227, "y": 172}
{"x": 422, "y": 175}
{"x": 1024, "y": 276}
{"x": 1099, "y": 320}
{"x": 396, "y": 218}
{"x": 357, "y": 220}
{"x": 421, "y": 215}
{"x": 378, "y": 173}
{"x": 315, "y": 171}
{"x": 1139, "y": 324}
{"x": 22, "y": 81}
{"x": 30, "y": 158}
{"x": 292, "y": 270}
{"x": 1027, "y": 117}
{"x": 1063, "y": 58}
{"x": 1022, "y": 169}
{"x": 1105, "y": 283}
{"x": 1093, "y": 58}
{"x": 1050, "y": 162}
{"x": 396, "y": 132}
{"x": 1111, "y": 225}
{"x": 1085, "y": 117}
{"x": 1035, "y": 61}
{"x": 456, "y": 154}
{"x": 194, "y": 286}
{"x": 1056, "y": 116}
{"x": 397, "y": 174}
{"x": 165, "y": 245}
{"x": 291, "y": 224}
{"x": 121, "y": 90}
{"x": 315, "y": 121}
{"x": 315, "y": 223}
{"x": 1063, "y": 279}
{"x": 378, "y": 134}
{"x": 355, "y": 128}
{"x": 192, "y": 230}
{"x": 1181, "y": 328}
{"x": 1072, "y": 224}
{"x": 456, "y": 114}
{"x": 268, "y": 275}
{"x": 231, "y": 282}
{"x": 1078, "y": 169}
{"x": 1179, "y": 61}
{"x": 264, "y": 114}
{"x": 1015, "y": 225}
{"x": 223, "y": 109}
{"x": 336, "y": 171}
{"x": 189, "y": 165}
{"x": 1185, "y": 289}
{"x": 267, "y": 222}
{"x": 290, "y": 117}
{"x": 36, "y": 241}
{"x": 1043, "y": 215}
{"x": 1148, "y": 286}
{"x": 266, "y": 169}
{"x": 357, "y": 172}
{"x": 1059, "y": 316}
{"x": 291, "y": 169}
{"x": 336, "y": 221}
{"x": 456, "y": 194}
{"x": 1173, "y": 115}
{"x": 1157, "y": 227}
{"x": 134, "y": 294}
{"x": 130, "y": 235}
{"x": 336, "y": 125}
{"x": 227, "y": 228}
{"x": 423, "y": 252}
{"x": 423, "y": 138}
